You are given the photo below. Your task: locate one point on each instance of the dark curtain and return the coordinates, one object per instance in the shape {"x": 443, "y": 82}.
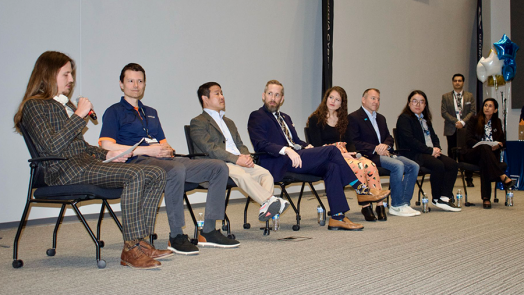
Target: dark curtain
{"x": 327, "y": 45}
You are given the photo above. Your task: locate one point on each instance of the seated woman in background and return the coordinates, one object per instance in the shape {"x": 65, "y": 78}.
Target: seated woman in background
{"x": 486, "y": 126}
{"x": 417, "y": 141}
{"x": 329, "y": 125}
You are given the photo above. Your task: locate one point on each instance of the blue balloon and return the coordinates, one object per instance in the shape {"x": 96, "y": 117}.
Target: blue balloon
{"x": 508, "y": 72}
{"x": 507, "y": 50}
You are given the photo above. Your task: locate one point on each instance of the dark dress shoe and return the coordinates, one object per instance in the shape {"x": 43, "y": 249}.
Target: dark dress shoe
{"x": 507, "y": 184}
{"x": 381, "y": 213}
{"x": 368, "y": 213}
{"x": 486, "y": 204}
{"x": 469, "y": 183}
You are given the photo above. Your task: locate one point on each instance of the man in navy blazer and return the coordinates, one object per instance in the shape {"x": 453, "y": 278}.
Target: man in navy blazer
{"x": 370, "y": 134}
{"x": 273, "y": 132}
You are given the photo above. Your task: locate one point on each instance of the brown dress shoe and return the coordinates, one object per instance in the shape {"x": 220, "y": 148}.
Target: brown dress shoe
{"x": 135, "y": 257}
{"x": 375, "y": 195}
{"x": 344, "y": 224}
{"x": 154, "y": 253}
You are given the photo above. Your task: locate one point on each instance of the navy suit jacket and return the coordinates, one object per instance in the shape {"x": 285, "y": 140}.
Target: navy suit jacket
{"x": 267, "y": 136}
{"x": 364, "y": 136}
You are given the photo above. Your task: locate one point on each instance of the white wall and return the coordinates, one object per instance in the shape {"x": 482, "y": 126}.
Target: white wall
{"x": 181, "y": 44}
{"x": 395, "y": 45}
{"x": 399, "y": 46}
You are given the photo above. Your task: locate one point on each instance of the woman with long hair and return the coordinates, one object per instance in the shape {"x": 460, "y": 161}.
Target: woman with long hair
{"x": 329, "y": 125}
{"x": 417, "y": 141}
{"x": 486, "y": 126}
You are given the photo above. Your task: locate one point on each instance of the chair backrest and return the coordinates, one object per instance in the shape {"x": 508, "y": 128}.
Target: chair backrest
{"x": 189, "y": 141}
{"x": 38, "y": 177}
{"x": 395, "y": 138}
{"x": 306, "y": 134}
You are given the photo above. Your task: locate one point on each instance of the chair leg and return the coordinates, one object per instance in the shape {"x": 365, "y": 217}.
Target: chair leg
{"x": 101, "y": 263}
{"x": 466, "y": 203}
{"x": 17, "y": 263}
{"x": 283, "y": 192}
{"x": 190, "y": 209}
{"x": 246, "y": 224}
{"x": 57, "y": 225}
{"x": 319, "y": 202}
{"x": 420, "y": 190}
{"x": 113, "y": 215}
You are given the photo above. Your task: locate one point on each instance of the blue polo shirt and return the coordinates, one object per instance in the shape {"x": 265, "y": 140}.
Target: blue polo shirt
{"x": 124, "y": 124}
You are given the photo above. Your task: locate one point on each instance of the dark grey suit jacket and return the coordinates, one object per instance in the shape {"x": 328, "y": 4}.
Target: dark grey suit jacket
{"x": 449, "y": 113}
{"x": 208, "y": 138}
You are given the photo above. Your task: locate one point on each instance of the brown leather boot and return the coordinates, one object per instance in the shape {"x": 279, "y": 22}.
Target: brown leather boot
{"x": 154, "y": 253}
{"x": 375, "y": 195}
{"x": 134, "y": 256}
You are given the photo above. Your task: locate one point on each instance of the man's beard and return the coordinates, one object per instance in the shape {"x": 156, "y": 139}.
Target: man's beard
{"x": 272, "y": 108}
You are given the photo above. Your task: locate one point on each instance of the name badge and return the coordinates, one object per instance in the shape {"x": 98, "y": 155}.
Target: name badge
{"x": 150, "y": 140}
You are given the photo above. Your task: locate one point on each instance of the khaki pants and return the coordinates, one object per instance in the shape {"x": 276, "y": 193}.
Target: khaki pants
{"x": 257, "y": 182}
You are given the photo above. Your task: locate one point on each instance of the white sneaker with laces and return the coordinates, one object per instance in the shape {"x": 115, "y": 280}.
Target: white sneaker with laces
{"x": 409, "y": 209}
{"x": 269, "y": 208}
{"x": 283, "y": 206}
{"x": 444, "y": 203}
{"x": 400, "y": 211}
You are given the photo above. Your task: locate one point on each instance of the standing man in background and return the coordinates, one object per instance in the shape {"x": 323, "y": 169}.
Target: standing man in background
{"x": 457, "y": 107}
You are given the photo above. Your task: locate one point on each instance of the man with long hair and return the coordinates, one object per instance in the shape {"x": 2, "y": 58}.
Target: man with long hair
{"x": 55, "y": 126}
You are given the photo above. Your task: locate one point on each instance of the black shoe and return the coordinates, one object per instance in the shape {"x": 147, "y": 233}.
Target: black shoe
{"x": 381, "y": 213}
{"x": 181, "y": 245}
{"x": 469, "y": 182}
{"x": 486, "y": 204}
{"x": 368, "y": 213}
{"x": 507, "y": 185}
{"x": 216, "y": 239}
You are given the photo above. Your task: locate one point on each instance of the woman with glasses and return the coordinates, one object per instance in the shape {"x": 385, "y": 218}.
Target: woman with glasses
{"x": 486, "y": 126}
{"x": 417, "y": 141}
{"x": 329, "y": 125}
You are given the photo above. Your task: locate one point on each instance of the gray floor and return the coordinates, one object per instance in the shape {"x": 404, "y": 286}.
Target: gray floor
{"x": 475, "y": 251}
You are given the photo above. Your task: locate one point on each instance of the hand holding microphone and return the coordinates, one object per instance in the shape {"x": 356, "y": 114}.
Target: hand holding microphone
{"x": 84, "y": 107}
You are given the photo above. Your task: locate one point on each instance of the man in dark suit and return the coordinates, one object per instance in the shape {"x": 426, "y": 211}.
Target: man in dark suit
{"x": 457, "y": 107}
{"x": 216, "y": 135}
{"x": 55, "y": 126}
{"x": 370, "y": 134}
{"x": 273, "y": 132}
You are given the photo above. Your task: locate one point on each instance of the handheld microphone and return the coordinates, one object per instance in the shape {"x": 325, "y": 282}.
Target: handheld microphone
{"x": 91, "y": 113}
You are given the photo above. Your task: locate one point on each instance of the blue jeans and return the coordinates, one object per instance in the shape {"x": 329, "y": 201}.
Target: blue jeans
{"x": 404, "y": 173}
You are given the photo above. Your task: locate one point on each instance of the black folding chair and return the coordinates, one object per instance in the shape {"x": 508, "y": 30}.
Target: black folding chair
{"x": 230, "y": 184}
{"x": 463, "y": 167}
{"x": 39, "y": 192}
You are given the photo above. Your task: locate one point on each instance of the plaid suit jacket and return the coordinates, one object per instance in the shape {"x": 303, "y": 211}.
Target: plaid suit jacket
{"x": 55, "y": 134}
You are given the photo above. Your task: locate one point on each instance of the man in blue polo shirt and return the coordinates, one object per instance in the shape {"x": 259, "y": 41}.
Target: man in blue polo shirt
{"x": 126, "y": 123}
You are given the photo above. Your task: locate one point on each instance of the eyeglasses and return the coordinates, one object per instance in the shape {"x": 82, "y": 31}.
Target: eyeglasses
{"x": 418, "y": 102}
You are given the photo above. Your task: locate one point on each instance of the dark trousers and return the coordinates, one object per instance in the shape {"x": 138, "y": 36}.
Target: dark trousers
{"x": 452, "y": 143}
{"x": 488, "y": 162}
{"x": 443, "y": 174}
{"x": 328, "y": 163}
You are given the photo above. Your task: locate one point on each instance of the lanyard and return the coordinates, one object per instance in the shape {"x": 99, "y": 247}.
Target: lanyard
{"x": 144, "y": 126}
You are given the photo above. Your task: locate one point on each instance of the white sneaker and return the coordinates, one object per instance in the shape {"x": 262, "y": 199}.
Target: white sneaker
{"x": 269, "y": 208}
{"x": 400, "y": 211}
{"x": 283, "y": 206}
{"x": 409, "y": 209}
{"x": 445, "y": 203}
